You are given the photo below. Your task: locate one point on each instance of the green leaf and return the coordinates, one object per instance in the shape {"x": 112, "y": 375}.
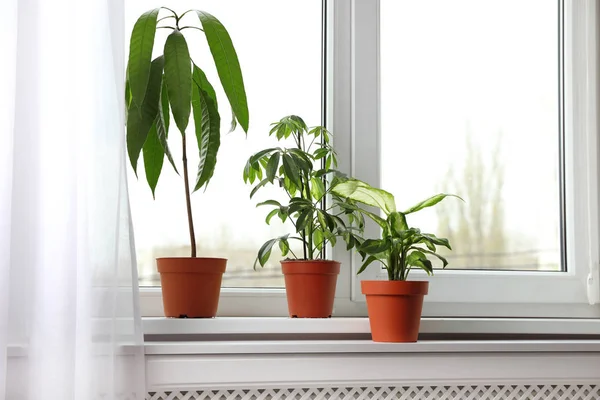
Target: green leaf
{"x": 366, "y": 263}
{"x": 317, "y": 188}
{"x": 208, "y": 134}
{"x": 258, "y": 186}
{"x": 397, "y": 222}
{"x": 284, "y": 246}
{"x": 303, "y": 219}
{"x": 271, "y": 214}
{"x": 256, "y": 156}
{"x": 318, "y": 238}
{"x": 162, "y": 124}
{"x": 135, "y": 135}
{"x": 153, "y": 158}
{"x": 272, "y": 166}
{"x": 375, "y": 246}
{"x": 139, "y": 125}
{"x": 265, "y": 252}
{"x": 178, "y": 75}
{"x": 127, "y": 94}
{"x": 291, "y": 170}
{"x": 356, "y": 190}
{"x": 444, "y": 261}
{"x": 433, "y": 200}
{"x": 140, "y": 54}
{"x": 201, "y": 80}
{"x": 436, "y": 240}
{"x": 228, "y": 66}
{"x": 269, "y": 203}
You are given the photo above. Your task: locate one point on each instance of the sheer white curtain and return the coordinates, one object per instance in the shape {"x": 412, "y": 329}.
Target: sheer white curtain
{"x": 69, "y": 318}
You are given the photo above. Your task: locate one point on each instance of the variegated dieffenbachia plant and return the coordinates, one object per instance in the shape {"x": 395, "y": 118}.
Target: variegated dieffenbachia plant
{"x": 400, "y": 247}
{"x": 174, "y": 83}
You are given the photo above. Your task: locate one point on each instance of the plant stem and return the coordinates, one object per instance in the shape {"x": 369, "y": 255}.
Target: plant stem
{"x": 192, "y": 27}
{"x": 188, "y": 199}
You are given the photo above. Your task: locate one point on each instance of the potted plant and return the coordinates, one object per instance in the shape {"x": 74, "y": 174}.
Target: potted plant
{"x": 395, "y": 305}
{"x": 173, "y": 82}
{"x": 310, "y": 280}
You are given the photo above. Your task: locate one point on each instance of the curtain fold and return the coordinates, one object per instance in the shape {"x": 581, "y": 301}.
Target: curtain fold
{"x": 69, "y": 319}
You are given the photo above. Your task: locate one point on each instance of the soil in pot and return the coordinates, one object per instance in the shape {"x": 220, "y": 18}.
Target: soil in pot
{"x": 310, "y": 287}
{"x": 191, "y": 285}
{"x": 395, "y": 309}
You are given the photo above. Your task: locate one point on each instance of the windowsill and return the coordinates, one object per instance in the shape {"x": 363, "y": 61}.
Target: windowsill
{"x": 261, "y": 363}
{"x": 160, "y": 328}
{"x": 264, "y": 347}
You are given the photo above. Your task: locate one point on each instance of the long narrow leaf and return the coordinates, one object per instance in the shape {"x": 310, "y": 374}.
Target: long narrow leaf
{"x": 162, "y": 124}
{"x": 178, "y": 75}
{"x": 154, "y": 156}
{"x": 208, "y": 134}
{"x": 228, "y": 65}
{"x": 201, "y": 80}
{"x": 140, "y": 54}
{"x": 433, "y": 200}
{"x": 139, "y": 121}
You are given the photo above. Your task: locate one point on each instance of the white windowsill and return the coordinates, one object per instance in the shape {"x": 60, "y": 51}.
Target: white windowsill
{"x": 247, "y": 364}
{"x": 368, "y": 346}
{"x": 360, "y": 326}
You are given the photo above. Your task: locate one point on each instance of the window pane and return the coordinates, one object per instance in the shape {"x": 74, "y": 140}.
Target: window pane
{"x": 279, "y": 47}
{"x": 470, "y": 106}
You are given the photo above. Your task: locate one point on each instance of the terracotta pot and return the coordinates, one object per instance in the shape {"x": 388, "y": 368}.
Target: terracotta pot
{"x": 190, "y": 286}
{"x": 395, "y": 309}
{"x": 310, "y": 287}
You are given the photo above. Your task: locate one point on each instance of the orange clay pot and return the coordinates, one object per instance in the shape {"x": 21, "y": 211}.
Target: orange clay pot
{"x": 395, "y": 309}
{"x": 310, "y": 287}
{"x": 190, "y": 285}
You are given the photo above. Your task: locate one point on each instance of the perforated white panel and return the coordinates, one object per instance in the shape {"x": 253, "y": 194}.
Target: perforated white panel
{"x": 482, "y": 392}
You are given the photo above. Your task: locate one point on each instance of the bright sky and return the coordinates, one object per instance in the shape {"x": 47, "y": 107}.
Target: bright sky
{"x": 447, "y": 66}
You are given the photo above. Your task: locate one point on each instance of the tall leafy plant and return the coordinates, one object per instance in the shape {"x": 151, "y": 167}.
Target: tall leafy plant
{"x": 173, "y": 82}
{"x": 400, "y": 247}
{"x": 296, "y": 170}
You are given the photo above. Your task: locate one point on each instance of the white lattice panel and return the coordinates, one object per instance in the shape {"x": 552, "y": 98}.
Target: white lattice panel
{"x": 482, "y": 392}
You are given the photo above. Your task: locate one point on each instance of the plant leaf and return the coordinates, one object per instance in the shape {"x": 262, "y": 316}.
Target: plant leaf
{"x": 135, "y": 136}
{"x": 362, "y": 192}
{"x": 397, "y": 222}
{"x": 178, "y": 75}
{"x": 202, "y": 81}
{"x": 208, "y": 134}
{"x": 433, "y": 200}
{"x": 138, "y": 125}
{"x": 374, "y": 246}
{"x": 291, "y": 170}
{"x": 140, "y": 54}
{"x": 258, "y": 186}
{"x": 272, "y": 166}
{"x": 228, "y": 66}
{"x": 366, "y": 263}
{"x": 162, "y": 124}
{"x": 269, "y": 203}
{"x": 271, "y": 214}
{"x": 317, "y": 188}
{"x": 265, "y": 252}
{"x": 444, "y": 261}
{"x": 153, "y": 158}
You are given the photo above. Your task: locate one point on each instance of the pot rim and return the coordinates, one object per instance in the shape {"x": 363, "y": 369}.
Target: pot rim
{"x": 301, "y": 261}
{"x": 191, "y": 258}
{"x": 394, "y": 288}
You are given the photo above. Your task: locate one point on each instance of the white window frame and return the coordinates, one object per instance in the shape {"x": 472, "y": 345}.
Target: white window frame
{"x": 351, "y": 87}
{"x": 497, "y": 293}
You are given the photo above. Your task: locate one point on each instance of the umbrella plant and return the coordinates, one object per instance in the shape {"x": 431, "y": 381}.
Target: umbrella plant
{"x": 296, "y": 172}
{"x": 174, "y": 83}
{"x": 400, "y": 247}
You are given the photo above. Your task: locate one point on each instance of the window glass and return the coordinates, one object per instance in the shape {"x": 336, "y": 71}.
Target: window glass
{"x": 470, "y": 106}
{"x": 279, "y": 47}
